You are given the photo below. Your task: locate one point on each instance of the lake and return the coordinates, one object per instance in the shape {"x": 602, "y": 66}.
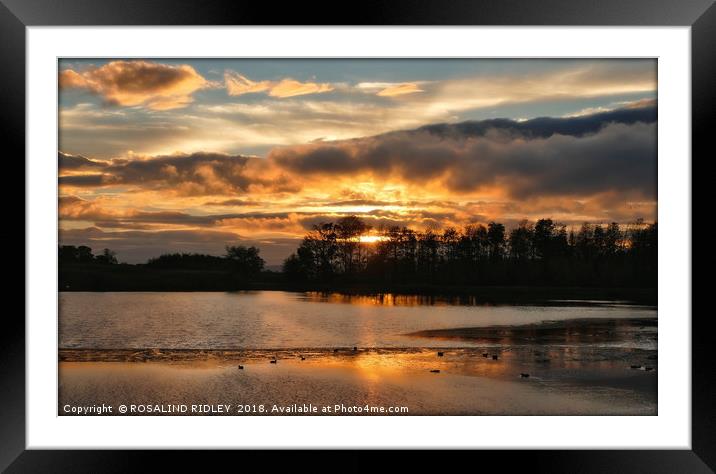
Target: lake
{"x": 430, "y": 355}
{"x": 285, "y": 320}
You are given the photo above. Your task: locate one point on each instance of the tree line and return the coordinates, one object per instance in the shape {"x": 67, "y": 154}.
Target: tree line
{"x": 238, "y": 259}
{"x": 540, "y": 253}
{"x": 334, "y": 254}
{"x": 83, "y": 254}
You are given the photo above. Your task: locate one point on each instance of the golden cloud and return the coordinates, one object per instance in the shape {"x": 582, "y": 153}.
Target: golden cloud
{"x": 236, "y": 84}
{"x": 132, "y": 83}
{"x": 291, "y": 88}
{"x": 497, "y": 159}
{"x": 400, "y": 89}
{"x": 350, "y": 112}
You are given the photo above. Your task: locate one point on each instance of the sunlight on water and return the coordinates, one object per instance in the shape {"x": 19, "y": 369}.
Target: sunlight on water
{"x": 459, "y": 383}
{"x": 269, "y": 319}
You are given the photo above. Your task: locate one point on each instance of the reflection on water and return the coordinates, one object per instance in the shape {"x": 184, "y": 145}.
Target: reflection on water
{"x": 275, "y": 320}
{"x": 560, "y": 382}
{"x": 391, "y": 299}
{"x": 501, "y": 361}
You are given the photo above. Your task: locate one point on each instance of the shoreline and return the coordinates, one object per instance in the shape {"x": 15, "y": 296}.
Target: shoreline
{"x": 513, "y": 295}
{"x": 544, "y": 333}
{"x": 578, "y": 366}
{"x": 596, "y": 330}
{"x": 576, "y": 332}
{"x": 461, "y": 382}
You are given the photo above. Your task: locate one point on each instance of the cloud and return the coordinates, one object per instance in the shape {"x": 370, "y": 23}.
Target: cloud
{"x": 637, "y": 104}
{"x": 545, "y": 127}
{"x": 594, "y": 79}
{"x": 104, "y": 214}
{"x": 184, "y": 174}
{"x": 568, "y": 156}
{"x": 138, "y": 83}
{"x": 291, "y": 88}
{"x": 254, "y": 126}
{"x": 391, "y": 89}
{"x": 237, "y": 84}
{"x": 68, "y": 161}
{"x": 597, "y": 168}
{"x": 543, "y": 156}
{"x": 400, "y": 89}
{"x": 291, "y": 225}
{"x": 79, "y": 209}
{"x": 89, "y": 180}
{"x": 393, "y": 153}
{"x": 233, "y": 202}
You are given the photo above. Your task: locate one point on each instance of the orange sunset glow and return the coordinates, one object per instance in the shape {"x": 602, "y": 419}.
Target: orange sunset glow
{"x": 193, "y": 155}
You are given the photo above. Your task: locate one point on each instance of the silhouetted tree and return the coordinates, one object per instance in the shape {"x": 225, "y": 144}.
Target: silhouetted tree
{"x": 544, "y": 239}
{"x": 317, "y": 257}
{"x": 348, "y": 231}
{"x": 496, "y": 237}
{"x": 540, "y": 253}
{"x": 244, "y": 261}
{"x": 188, "y": 261}
{"x": 521, "y": 241}
{"x": 107, "y": 257}
{"x": 543, "y": 253}
{"x": 83, "y": 254}
{"x": 72, "y": 254}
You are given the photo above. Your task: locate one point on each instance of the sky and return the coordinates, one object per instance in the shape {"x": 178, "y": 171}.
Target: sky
{"x": 191, "y": 155}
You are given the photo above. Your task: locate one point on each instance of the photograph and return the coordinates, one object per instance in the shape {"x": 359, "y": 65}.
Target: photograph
{"x": 268, "y": 236}
{"x": 266, "y": 232}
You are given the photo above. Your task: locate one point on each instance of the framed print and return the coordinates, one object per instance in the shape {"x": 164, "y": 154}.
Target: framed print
{"x": 433, "y": 227}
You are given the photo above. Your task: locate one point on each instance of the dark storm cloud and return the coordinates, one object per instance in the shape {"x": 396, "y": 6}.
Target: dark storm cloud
{"x": 67, "y": 161}
{"x": 381, "y": 154}
{"x": 181, "y": 169}
{"x": 575, "y": 156}
{"x": 198, "y": 173}
{"x": 543, "y": 127}
{"x": 83, "y": 180}
{"x": 604, "y": 152}
{"x": 620, "y": 157}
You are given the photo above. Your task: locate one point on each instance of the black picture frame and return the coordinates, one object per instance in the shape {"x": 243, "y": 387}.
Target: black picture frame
{"x": 700, "y": 15}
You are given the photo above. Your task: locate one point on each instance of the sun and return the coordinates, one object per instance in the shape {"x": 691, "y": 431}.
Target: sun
{"x": 371, "y": 239}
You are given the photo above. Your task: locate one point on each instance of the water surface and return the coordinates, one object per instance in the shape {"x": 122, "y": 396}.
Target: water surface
{"x": 274, "y": 319}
